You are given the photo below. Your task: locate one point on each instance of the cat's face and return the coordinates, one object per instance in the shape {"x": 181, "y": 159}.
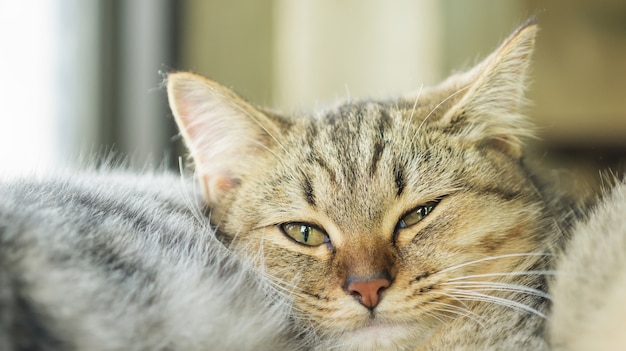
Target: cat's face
{"x": 380, "y": 220}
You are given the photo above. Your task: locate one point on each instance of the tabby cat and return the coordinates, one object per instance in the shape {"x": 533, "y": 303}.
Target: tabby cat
{"x": 395, "y": 224}
{"x": 404, "y": 224}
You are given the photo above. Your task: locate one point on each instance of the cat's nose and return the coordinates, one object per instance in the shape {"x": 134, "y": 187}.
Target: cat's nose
{"x": 368, "y": 292}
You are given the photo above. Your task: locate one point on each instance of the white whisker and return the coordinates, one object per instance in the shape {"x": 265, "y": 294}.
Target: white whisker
{"x": 437, "y": 316}
{"x": 410, "y": 121}
{"x": 454, "y": 298}
{"x": 499, "y": 287}
{"x": 506, "y": 274}
{"x": 476, "y": 296}
{"x": 419, "y": 128}
{"x": 460, "y": 311}
{"x": 193, "y": 205}
{"x": 491, "y": 258}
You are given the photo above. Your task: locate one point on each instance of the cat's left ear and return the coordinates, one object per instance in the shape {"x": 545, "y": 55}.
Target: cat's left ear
{"x": 489, "y": 111}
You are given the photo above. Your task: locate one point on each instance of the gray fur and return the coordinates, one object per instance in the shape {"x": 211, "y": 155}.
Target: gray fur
{"x": 589, "y": 310}
{"x": 115, "y": 261}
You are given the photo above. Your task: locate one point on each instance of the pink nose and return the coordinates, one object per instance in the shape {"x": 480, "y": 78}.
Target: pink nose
{"x": 368, "y": 292}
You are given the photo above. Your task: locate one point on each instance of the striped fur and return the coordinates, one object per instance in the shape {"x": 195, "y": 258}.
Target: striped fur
{"x": 115, "y": 261}
{"x": 104, "y": 260}
{"x": 470, "y": 275}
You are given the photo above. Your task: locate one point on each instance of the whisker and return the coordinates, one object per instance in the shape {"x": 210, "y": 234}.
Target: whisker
{"x": 288, "y": 288}
{"x": 235, "y": 237}
{"x": 193, "y": 206}
{"x": 419, "y": 128}
{"x": 410, "y": 121}
{"x": 454, "y": 298}
{"x": 265, "y": 147}
{"x": 491, "y": 258}
{"x": 437, "y": 316}
{"x": 281, "y": 287}
{"x": 459, "y": 311}
{"x": 506, "y": 274}
{"x": 500, "y": 287}
{"x": 476, "y": 296}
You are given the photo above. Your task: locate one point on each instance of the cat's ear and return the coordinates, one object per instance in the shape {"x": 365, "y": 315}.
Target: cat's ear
{"x": 224, "y": 133}
{"x": 489, "y": 110}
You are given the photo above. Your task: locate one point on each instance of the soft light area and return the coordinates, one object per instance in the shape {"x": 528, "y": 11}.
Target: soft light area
{"x": 28, "y": 38}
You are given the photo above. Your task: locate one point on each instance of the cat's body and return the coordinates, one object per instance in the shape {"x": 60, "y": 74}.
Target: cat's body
{"x": 589, "y": 290}
{"x": 404, "y": 224}
{"x": 115, "y": 261}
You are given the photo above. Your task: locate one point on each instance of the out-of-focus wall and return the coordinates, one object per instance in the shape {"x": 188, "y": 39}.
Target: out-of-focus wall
{"x": 579, "y": 89}
{"x": 231, "y": 42}
{"x": 325, "y": 50}
{"x": 296, "y": 54}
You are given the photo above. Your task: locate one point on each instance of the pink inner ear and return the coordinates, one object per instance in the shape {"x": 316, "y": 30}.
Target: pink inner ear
{"x": 223, "y": 183}
{"x": 215, "y": 186}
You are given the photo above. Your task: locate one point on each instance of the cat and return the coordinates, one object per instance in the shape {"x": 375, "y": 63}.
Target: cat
{"x": 404, "y": 224}
{"x": 412, "y": 223}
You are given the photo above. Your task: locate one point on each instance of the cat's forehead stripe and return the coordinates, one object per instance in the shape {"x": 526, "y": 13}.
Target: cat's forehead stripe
{"x": 309, "y": 195}
{"x": 379, "y": 147}
{"x": 351, "y": 144}
{"x": 384, "y": 123}
{"x": 399, "y": 179}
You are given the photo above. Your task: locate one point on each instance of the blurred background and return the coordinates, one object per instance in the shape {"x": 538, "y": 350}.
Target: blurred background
{"x": 84, "y": 77}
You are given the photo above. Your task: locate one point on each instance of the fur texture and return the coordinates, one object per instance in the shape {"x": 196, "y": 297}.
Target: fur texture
{"x": 589, "y": 310}
{"x": 469, "y": 275}
{"x": 404, "y": 224}
{"x": 115, "y": 261}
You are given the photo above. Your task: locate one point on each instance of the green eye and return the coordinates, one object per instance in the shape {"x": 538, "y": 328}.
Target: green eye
{"x": 415, "y": 215}
{"x": 305, "y": 234}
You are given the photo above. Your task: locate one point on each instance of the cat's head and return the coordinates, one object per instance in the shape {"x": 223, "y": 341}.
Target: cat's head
{"x": 375, "y": 216}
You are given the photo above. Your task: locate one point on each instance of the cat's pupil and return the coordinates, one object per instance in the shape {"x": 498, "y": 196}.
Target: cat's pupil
{"x": 305, "y": 230}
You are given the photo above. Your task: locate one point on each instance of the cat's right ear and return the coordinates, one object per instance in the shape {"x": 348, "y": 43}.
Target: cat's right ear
{"x": 224, "y": 133}
{"x": 490, "y": 100}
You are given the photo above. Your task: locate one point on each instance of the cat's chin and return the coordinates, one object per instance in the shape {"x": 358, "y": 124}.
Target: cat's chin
{"x": 379, "y": 336}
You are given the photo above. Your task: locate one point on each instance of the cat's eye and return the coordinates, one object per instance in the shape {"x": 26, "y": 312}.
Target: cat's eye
{"x": 415, "y": 215}
{"x": 306, "y": 234}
